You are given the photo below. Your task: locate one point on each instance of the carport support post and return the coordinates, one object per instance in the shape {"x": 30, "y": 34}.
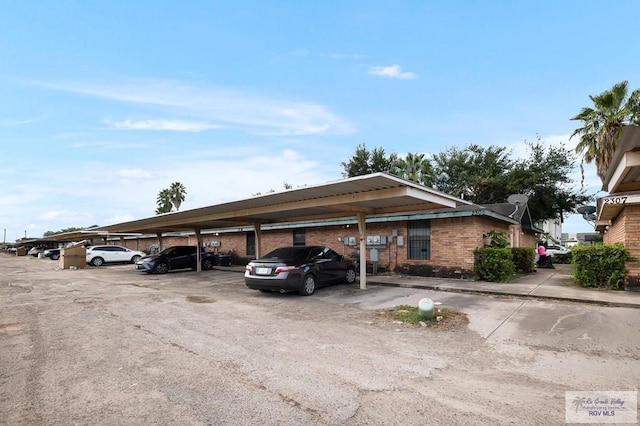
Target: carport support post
{"x": 362, "y": 231}
{"x": 159, "y": 235}
{"x": 199, "y": 251}
{"x": 257, "y": 231}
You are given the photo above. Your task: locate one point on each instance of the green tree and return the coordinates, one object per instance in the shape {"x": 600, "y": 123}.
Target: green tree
{"x": 415, "y": 167}
{"x": 545, "y": 178}
{"x": 603, "y": 122}
{"x": 163, "y": 201}
{"x": 65, "y": 230}
{"x": 473, "y": 173}
{"x": 178, "y": 193}
{"x": 365, "y": 162}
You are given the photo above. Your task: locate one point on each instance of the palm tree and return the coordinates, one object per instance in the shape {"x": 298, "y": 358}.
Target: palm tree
{"x": 416, "y": 168}
{"x": 603, "y": 123}
{"x": 177, "y": 192}
{"x": 163, "y": 201}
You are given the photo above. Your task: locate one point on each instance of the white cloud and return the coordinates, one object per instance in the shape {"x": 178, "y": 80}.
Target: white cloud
{"x": 53, "y": 215}
{"x": 171, "y": 125}
{"x": 392, "y": 71}
{"x": 205, "y": 104}
{"x": 135, "y": 174}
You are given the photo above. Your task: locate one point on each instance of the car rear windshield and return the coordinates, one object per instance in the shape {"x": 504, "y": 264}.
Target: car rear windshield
{"x": 288, "y": 253}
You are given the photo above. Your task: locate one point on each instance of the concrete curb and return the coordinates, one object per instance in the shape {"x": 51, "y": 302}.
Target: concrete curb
{"x": 512, "y": 294}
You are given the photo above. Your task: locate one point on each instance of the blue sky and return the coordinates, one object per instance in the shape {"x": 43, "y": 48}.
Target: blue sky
{"x": 105, "y": 103}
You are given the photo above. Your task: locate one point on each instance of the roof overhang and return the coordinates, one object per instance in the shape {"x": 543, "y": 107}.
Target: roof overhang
{"x": 373, "y": 194}
{"x": 610, "y": 207}
{"x": 623, "y": 174}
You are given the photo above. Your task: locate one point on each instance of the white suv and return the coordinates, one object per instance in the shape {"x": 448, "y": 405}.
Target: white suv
{"x": 99, "y": 255}
{"x": 555, "y": 249}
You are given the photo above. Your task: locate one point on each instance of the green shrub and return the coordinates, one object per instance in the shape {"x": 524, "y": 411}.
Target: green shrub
{"x": 564, "y": 259}
{"x": 493, "y": 264}
{"x": 497, "y": 239}
{"x": 523, "y": 259}
{"x": 600, "y": 265}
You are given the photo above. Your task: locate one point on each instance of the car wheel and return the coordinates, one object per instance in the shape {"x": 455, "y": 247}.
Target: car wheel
{"x": 351, "y": 275}
{"x": 55, "y": 256}
{"x": 308, "y": 285}
{"x": 97, "y": 261}
{"x": 135, "y": 258}
{"x": 162, "y": 268}
{"x": 207, "y": 264}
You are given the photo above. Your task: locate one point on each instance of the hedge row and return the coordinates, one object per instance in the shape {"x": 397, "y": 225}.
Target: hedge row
{"x": 600, "y": 265}
{"x": 499, "y": 264}
{"x": 597, "y": 265}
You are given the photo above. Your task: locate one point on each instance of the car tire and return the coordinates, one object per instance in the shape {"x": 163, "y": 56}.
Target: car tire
{"x": 351, "y": 275}
{"x": 97, "y": 261}
{"x": 135, "y": 258}
{"x": 207, "y": 264}
{"x": 162, "y": 268}
{"x": 55, "y": 257}
{"x": 308, "y": 285}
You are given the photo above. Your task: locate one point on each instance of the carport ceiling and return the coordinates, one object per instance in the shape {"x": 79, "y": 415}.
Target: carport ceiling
{"x": 374, "y": 194}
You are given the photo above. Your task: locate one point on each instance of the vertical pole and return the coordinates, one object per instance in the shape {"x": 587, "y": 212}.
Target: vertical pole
{"x": 199, "y": 251}
{"x": 258, "y": 232}
{"x": 362, "y": 232}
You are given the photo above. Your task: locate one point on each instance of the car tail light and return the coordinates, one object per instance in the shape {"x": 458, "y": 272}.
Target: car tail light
{"x": 280, "y": 269}
{"x": 249, "y": 268}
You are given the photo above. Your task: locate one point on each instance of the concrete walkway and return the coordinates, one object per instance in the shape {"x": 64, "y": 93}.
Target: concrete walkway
{"x": 554, "y": 284}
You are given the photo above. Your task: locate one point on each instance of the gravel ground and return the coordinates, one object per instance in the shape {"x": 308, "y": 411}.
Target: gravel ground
{"x": 108, "y": 345}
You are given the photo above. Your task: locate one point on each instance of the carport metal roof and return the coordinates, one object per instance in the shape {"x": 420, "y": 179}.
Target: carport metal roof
{"x": 373, "y": 194}
{"x": 361, "y": 196}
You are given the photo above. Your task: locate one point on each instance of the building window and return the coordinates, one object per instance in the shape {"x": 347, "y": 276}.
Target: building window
{"x": 299, "y": 236}
{"x": 419, "y": 240}
{"x": 251, "y": 244}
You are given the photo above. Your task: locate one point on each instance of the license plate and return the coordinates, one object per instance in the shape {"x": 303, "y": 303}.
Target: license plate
{"x": 263, "y": 271}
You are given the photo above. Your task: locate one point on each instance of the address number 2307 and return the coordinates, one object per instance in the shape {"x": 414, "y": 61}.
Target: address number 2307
{"x": 615, "y": 200}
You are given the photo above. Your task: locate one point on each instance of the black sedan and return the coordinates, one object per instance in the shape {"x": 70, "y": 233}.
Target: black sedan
{"x": 299, "y": 268}
{"x": 53, "y": 254}
{"x": 176, "y": 257}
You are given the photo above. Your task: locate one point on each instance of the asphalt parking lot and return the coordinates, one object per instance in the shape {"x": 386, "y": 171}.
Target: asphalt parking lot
{"x": 110, "y": 345}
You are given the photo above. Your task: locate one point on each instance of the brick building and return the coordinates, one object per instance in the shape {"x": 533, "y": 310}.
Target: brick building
{"x": 618, "y": 214}
{"x": 422, "y": 237}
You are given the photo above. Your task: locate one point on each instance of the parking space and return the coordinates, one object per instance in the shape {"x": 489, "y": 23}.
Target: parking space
{"x": 110, "y": 345}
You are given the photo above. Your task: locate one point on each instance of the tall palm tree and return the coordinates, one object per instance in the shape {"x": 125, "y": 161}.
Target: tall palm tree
{"x": 603, "y": 123}
{"x": 163, "y": 201}
{"x": 178, "y": 192}
{"x": 416, "y": 168}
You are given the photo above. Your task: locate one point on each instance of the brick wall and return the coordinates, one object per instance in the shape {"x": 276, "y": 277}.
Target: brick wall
{"x": 626, "y": 229}
{"x": 453, "y": 241}
{"x": 632, "y": 242}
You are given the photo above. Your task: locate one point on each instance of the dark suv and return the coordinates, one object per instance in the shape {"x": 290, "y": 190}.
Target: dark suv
{"x": 176, "y": 257}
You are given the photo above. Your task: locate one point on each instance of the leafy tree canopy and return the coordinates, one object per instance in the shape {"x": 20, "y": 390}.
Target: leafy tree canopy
{"x": 65, "y": 230}
{"x": 473, "y": 173}
{"x": 602, "y": 124}
{"x": 365, "y": 162}
{"x": 488, "y": 175}
{"x": 544, "y": 178}
{"x": 415, "y": 167}
{"x": 171, "y": 197}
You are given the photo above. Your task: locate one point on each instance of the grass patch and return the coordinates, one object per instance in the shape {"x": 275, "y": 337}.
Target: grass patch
{"x": 442, "y": 317}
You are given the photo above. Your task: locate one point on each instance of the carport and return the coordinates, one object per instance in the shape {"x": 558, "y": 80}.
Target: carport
{"x": 365, "y": 196}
